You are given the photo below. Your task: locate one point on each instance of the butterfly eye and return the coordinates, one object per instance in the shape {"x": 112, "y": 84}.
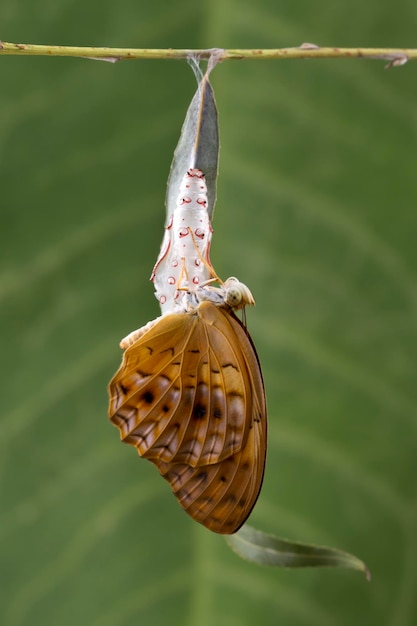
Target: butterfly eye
{"x": 185, "y": 200}
{"x": 199, "y": 232}
{"x": 233, "y": 297}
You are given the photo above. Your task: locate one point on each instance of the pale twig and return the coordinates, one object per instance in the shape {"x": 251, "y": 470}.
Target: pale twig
{"x": 394, "y": 56}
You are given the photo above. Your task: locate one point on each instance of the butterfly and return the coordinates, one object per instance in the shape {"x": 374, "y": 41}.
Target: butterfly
{"x": 189, "y": 395}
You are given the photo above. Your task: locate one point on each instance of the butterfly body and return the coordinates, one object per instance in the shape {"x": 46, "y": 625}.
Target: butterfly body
{"x": 189, "y": 396}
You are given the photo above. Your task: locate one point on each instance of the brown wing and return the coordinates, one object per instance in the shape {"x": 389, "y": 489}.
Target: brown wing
{"x": 221, "y": 495}
{"x": 183, "y": 393}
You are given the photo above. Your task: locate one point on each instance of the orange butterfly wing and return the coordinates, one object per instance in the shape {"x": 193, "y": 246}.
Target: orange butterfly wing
{"x": 189, "y": 395}
{"x": 221, "y": 495}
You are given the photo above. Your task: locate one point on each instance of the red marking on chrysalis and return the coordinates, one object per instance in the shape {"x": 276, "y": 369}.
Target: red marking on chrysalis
{"x": 195, "y": 173}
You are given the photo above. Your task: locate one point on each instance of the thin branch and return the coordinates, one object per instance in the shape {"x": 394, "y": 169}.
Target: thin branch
{"x": 394, "y": 56}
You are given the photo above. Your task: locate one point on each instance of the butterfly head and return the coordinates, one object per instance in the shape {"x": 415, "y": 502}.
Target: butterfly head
{"x": 231, "y": 294}
{"x": 236, "y": 294}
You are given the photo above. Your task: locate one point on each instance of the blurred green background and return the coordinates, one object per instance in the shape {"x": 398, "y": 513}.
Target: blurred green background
{"x": 316, "y": 212}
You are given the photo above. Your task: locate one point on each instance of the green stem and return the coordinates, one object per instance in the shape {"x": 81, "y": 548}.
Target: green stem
{"x": 395, "y": 56}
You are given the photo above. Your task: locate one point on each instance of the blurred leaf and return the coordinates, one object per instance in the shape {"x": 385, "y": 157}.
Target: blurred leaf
{"x": 253, "y": 545}
{"x": 315, "y": 213}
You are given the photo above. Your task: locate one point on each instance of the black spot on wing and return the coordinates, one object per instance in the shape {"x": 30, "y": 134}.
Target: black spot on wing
{"x": 199, "y": 411}
{"x": 143, "y": 374}
{"x": 230, "y": 365}
{"x": 171, "y": 349}
{"x": 148, "y": 397}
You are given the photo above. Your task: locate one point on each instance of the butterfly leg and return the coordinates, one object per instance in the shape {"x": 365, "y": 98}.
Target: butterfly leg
{"x": 206, "y": 263}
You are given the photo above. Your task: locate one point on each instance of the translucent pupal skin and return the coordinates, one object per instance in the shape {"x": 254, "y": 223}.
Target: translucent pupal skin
{"x": 189, "y": 396}
{"x": 184, "y": 259}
